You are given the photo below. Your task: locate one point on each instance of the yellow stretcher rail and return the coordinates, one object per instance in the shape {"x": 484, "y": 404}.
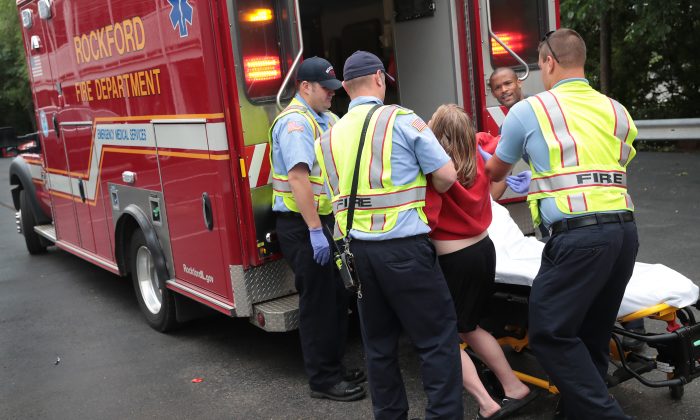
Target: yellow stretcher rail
{"x": 662, "y": 311}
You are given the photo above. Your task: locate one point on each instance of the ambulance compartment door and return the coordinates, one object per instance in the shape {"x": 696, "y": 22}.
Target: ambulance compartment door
{"x": 40, "y": 47}
{"x": 77, "y": 140}
{"x": 193, "y": 195}
{"x": 427, "y": 60}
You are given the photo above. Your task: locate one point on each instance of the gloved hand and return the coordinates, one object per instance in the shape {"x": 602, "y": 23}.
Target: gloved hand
{"x": 484, "y": 154}
{"x": 322, "y": 249}
{"x": 520, "y": 183}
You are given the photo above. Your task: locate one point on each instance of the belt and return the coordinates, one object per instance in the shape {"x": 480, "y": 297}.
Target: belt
{"x": 590, "y": 220}
{"x": 288, "y": 215}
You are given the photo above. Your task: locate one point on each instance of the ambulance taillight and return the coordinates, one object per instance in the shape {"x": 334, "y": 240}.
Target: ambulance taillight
{"x": 520, "y": 24}
{"x": 260, "y": 48}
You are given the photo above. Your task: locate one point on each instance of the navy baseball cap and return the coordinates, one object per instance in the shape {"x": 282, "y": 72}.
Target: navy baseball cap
{"x": 317, "y": 69}
{"x": 362, "y": 63}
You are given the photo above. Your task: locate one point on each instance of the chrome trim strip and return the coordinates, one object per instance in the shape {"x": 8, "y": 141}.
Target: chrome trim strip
{"x": 76, "y": 123}
{"x": 180, "y": 121}
{"x": 88, "y": 256}
{"x": 175, "y": 284}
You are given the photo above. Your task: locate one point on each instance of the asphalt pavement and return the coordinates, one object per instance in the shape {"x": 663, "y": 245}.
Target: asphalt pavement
{"x": 73, "y": 344}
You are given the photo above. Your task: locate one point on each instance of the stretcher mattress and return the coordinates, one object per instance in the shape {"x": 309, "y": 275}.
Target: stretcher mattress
{"x": 518, "y": 261}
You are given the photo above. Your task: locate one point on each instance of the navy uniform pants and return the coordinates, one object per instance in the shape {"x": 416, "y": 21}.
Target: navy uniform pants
{"x": 323, "y": 302}
{"x": 404, "y": 289}
{"x": 573, "y": 306}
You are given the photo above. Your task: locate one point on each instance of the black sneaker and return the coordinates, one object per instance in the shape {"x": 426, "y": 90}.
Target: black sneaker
{"x": 342, "y": 391}
{"x": 354, "y": 376}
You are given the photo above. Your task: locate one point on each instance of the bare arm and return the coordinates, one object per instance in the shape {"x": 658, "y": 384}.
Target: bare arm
{"x": 444, "y": 177}
{"x": 304, "y": 195}
{"x": 497, "y": 189}
{"x": 497, "y": 169}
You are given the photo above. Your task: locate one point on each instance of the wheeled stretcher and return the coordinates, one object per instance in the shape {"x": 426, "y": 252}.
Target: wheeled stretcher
{"x": 654, "y": 292}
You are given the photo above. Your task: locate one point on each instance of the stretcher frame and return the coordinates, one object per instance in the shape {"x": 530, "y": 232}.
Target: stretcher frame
{"x": 678, "y": 349}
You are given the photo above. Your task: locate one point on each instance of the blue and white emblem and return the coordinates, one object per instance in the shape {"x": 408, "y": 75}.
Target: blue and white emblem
{"x": 181, "y": 15}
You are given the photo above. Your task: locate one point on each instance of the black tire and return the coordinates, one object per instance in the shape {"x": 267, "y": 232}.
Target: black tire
{"x": 35, "y": 244}
{"x": 155, "y": 300}
{"x": 677, "y": 392}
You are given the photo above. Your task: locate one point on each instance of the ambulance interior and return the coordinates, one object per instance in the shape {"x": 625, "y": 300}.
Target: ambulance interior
{"x": 416, "y": 40}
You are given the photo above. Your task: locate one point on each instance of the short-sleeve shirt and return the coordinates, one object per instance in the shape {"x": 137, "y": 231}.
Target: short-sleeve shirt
{"x": 414, "y": 148}
{"x": 521, "y": 136}
{"x": 293, "y": 143}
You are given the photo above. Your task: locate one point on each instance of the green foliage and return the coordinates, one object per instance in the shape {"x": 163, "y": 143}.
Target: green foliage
{"x": 655, "y": 61}
{"x": 16, "y": 107}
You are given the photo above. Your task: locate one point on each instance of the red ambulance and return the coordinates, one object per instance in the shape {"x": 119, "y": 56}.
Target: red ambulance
{"x": 153, "y": 119}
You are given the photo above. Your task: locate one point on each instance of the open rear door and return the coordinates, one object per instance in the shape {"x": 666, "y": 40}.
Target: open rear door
{"x": 427, "y": 60}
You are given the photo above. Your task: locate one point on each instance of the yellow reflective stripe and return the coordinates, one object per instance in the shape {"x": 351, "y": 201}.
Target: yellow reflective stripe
{"x": 622, "y": 129}
{"x": 569, "y": 155}
{"x": 560, "y": 182}
{"x": 376, "y": 162}
{"x": 381, "y": 201}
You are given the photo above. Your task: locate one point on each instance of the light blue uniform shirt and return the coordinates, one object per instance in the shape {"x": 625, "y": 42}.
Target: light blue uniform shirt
{"x": 521, "y": 137}
{"x": 411, "y": 151}
{"x": 290, "y": 148}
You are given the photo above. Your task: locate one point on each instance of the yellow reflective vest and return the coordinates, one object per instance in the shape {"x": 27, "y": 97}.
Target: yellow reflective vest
{"x": 589, "y": 137}
{"x": 378, "y": 201}
{"x": 280, "y": 183}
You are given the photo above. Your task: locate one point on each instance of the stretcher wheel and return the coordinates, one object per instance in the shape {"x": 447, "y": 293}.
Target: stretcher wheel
{"x": 677, "y": 391}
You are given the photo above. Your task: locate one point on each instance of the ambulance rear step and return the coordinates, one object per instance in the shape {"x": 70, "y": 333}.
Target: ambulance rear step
{"x": 277, "y": 315}
{"x": 47, "y": 231}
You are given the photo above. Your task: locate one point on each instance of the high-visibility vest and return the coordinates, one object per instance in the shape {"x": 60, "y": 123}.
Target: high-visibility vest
{"x": 378, "y": 201}
{"x": 589, "y": 137}
{"x": 280, "y": 182}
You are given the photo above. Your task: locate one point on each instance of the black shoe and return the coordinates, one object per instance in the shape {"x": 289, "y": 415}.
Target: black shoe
{"x": 511, "y": 405}
{"x": 342, "y": 391}
{"x": 495, "y": 416}
{"x": 354, "y": 376}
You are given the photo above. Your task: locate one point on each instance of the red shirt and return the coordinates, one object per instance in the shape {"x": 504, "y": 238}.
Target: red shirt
{"x": 487, "y": 141}
{"x": 460, "y": 212}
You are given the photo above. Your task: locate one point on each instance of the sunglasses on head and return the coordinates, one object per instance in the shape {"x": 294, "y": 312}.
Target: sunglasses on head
{"x": 546, "y": 41}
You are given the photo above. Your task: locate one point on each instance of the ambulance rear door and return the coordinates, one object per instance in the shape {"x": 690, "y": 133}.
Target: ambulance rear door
{"x": 520, "y": 25}
{"x": 426, "y": 44}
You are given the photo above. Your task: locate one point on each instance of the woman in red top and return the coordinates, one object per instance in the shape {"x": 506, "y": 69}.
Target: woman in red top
{"x": 459, "y": 219}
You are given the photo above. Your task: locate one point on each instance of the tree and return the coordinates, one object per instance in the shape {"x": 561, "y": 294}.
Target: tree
{"x": 654, "y": 61}
{"x": 16, "y": 108}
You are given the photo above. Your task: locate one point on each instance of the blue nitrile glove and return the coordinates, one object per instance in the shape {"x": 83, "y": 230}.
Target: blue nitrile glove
{"x": 484, "y": 154}
{"x": 520, "y": 183}
{"x": 322, "y": 249}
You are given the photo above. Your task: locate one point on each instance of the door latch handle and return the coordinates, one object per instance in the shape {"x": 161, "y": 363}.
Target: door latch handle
{"x": 206, "y": 211}
{"x": 81, "y": 188}
{"x": 55, "y": 125}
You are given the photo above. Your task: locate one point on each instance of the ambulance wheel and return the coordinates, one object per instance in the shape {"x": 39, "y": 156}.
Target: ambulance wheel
{"x": 35, "y": 245}
{"x": 156, "y": 302}
{"x": 677, "y": 391}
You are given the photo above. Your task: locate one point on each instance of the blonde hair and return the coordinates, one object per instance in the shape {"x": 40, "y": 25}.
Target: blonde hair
{"x": 455, "y": 132}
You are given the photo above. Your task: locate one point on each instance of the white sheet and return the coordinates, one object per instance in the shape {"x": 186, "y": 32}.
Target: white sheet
{"x": 518, "y": 261}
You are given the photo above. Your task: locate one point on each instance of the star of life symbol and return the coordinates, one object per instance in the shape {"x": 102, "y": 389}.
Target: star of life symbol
{"x": 180, "y": 15}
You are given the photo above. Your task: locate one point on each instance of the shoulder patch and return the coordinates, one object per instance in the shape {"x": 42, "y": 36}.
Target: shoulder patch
{"x": 293, "y": 126}
{"x": 419, "y": 124}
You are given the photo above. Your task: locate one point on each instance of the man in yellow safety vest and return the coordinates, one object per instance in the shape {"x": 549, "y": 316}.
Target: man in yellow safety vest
{"x": 578, "y": 143}
{"x": 303, "y": 209}
{"x": 401, "y": 284}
